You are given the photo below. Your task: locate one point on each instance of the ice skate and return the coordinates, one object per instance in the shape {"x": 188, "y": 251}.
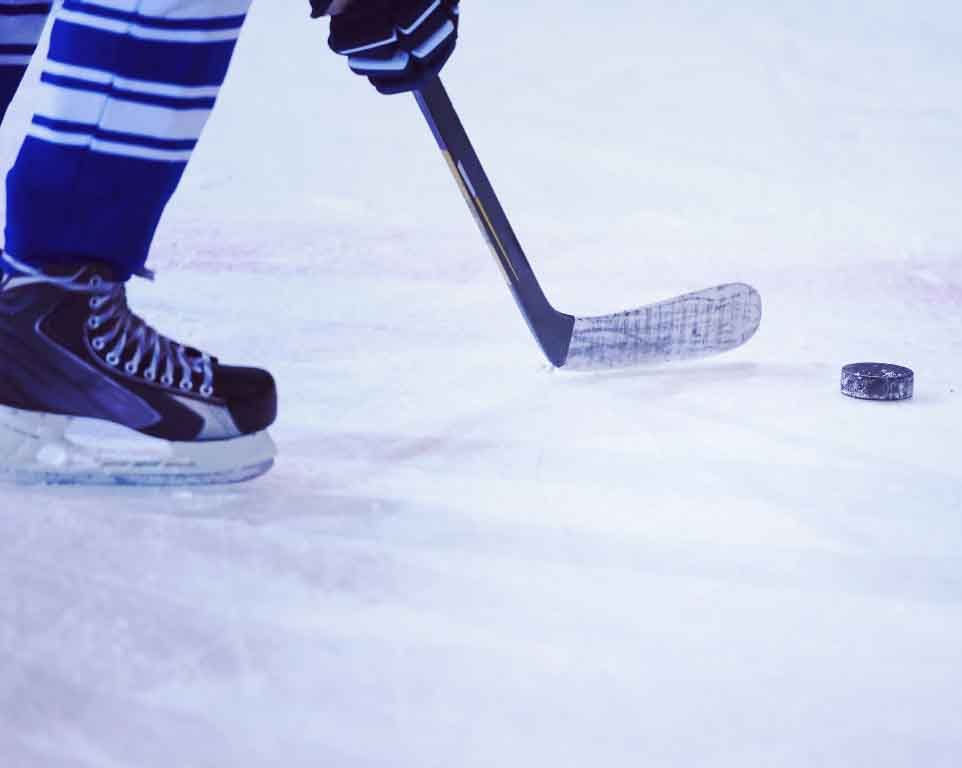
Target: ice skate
{"x": 91, "y": 394}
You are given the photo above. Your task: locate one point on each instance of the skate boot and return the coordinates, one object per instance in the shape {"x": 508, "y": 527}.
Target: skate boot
{"x": 91, "y": 394}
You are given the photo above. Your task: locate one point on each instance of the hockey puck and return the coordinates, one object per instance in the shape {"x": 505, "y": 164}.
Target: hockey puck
{"x": 878, "y": 381}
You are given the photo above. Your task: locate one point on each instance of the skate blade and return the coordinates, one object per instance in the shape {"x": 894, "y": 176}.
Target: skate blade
{"x": 48, "y": 449}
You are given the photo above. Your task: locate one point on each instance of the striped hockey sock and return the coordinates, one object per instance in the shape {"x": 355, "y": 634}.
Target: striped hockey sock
{"x": 125, "y": 92}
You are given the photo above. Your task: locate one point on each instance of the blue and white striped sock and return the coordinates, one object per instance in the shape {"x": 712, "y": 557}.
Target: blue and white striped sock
{"x": 124, "y": 95}
{"x": 21, "y": 24}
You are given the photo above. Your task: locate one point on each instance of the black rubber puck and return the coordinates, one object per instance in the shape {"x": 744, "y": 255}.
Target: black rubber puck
{"x": 878, "y": 381}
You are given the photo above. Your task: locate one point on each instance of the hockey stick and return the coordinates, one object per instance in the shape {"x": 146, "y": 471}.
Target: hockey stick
{"x": 695, "y": 325}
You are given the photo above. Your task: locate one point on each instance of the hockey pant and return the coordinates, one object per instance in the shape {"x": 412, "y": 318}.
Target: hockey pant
{"x": 124, "y": 94}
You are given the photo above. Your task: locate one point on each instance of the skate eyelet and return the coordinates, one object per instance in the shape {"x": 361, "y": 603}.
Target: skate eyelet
{"x": 150, "y": 374}
{"x": 131, "y": 367}
{"x": 166, "y": 380}
{"x": 96, "y": 281}
{"x": 93, "y": 322}
{"x": 206, "y": 390}
{"x": 99, "y": 344}
{"x": 113, "y": 359}
{"x": 187, "y": 385}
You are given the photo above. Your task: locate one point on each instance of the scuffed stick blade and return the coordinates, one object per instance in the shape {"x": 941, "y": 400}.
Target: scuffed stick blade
{"x": 696, "y": 325}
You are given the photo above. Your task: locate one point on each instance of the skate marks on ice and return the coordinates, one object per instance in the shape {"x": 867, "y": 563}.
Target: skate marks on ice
{"x": 42, "y": 448}
{"x": 321, "y": 623}
{"x": 152, "y": 626}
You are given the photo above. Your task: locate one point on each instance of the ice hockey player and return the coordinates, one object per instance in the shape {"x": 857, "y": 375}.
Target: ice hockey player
{"x": 125, "y": 91}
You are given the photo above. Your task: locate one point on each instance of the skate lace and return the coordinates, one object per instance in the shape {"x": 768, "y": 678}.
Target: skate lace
{"x": 125, "y": 341}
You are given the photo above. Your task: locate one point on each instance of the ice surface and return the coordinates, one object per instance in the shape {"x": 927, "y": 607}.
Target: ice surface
{"x": 463, "y": 559}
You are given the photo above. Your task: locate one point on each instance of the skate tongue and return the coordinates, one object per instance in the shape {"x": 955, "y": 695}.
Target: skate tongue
{"x": 82, "y": 271}
{"x": 13, "y": 269}
{"x": 94, "y": 269}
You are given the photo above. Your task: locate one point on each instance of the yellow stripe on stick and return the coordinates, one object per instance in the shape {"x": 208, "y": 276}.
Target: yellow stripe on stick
{"x": 484, "y": 222}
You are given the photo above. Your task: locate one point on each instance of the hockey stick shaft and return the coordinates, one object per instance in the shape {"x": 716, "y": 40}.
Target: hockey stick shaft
{"x": 552, "y": 329}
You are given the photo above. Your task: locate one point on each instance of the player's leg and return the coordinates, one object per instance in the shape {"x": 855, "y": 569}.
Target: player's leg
{"x": 124, "y": 95}
{"x": 21, "y": 24}
{"x": 125, "y": 92}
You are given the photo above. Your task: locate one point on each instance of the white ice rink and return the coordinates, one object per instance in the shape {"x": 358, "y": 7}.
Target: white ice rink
{"x": 463, "y": 559}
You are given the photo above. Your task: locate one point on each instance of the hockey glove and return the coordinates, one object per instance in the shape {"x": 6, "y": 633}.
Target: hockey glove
{"x": 396, "y": 44}
{"x": 327, "y": 7}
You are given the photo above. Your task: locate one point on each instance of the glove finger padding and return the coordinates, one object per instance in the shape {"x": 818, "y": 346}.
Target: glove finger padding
{"x": 319, "y": 8}
{"x": 365, "y": 26}
{"x": 417, "y": 72}
{"x": 397, "y": 44}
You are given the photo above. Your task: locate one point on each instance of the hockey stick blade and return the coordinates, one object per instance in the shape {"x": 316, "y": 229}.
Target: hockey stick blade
{"x": 697, "y": 325}
{"x": 688, "y": 327}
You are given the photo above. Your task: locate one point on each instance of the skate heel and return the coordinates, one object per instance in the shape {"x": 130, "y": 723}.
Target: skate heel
{"x": 31, "y": 440}
{"x": 43, "y": 448}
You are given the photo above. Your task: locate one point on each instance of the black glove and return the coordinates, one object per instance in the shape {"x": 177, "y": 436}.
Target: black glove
{"x": 319, "y": 8}
{"x": 396, "y": 44}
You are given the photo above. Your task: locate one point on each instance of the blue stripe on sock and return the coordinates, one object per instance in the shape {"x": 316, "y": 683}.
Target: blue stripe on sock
{"x": 168, "y": 102}
{"x": 192, "y": 64}
{"x": 65, "y": 205}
